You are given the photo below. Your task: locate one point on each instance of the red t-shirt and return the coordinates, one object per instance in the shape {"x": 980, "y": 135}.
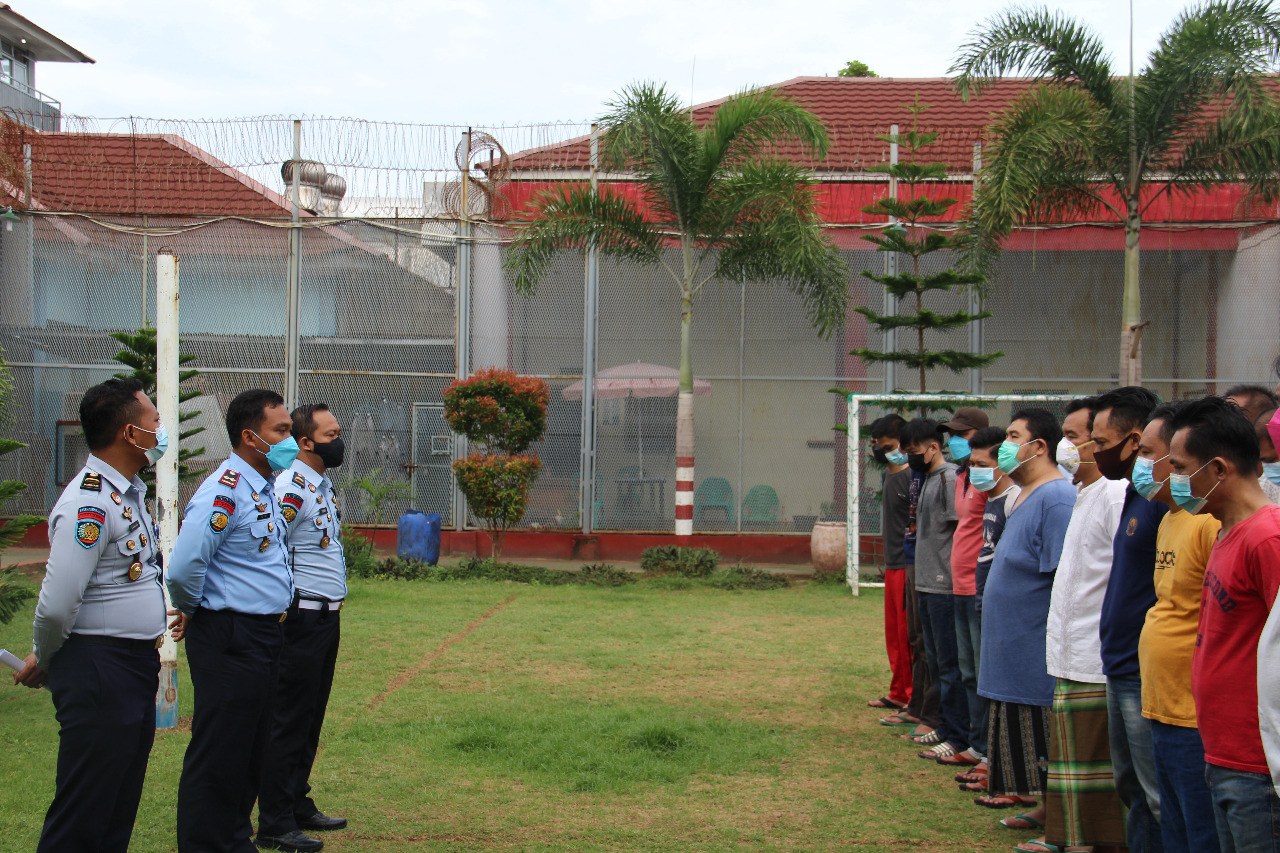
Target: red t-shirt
{"x": 966, "y": 543}
{"x": 1240, "y": 583}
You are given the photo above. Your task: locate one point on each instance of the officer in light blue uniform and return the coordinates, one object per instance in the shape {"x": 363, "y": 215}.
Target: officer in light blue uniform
{"x": 231, "y": 580}
{"x": 98, "y": 624}
{"x": 286, "y": 811}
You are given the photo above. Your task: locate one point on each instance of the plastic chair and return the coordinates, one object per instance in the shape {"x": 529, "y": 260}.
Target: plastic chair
{"x": 760, "y": 506}
{"x": 713, "y": 493}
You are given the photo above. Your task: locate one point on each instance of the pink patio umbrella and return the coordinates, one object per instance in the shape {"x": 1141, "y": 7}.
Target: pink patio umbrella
{"x": 637, "y": 379}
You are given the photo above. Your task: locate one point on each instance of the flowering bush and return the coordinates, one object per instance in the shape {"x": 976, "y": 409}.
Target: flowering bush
{"x": 505, "y": 413}
{"x": 498, "y": 408}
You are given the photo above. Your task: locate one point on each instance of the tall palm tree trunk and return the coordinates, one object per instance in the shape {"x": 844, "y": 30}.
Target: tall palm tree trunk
{"x": 684, "y": 423}
{"x": 1131, "y": 305}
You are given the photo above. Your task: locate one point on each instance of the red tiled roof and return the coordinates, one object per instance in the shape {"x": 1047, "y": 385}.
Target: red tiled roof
{"x": 133, "y": 174}
{"x": 855, "y": 110}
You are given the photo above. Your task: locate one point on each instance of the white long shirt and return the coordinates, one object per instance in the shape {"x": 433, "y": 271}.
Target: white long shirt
{"x": 1073, "y": 649}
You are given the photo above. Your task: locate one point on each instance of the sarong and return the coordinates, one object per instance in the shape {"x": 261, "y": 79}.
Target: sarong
{"x": 1081, "y": 804}
{"x": 1017, "y": 749}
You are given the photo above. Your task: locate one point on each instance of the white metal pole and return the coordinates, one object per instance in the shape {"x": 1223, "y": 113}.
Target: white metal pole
{"x": 890, "y": 305}
{"x": 852, "y": 523}
{"x": 588, "y": 497}
{"x": 462, "y": 344}
{"x": 292, "y": 286}
{"x": 167, "y": 467}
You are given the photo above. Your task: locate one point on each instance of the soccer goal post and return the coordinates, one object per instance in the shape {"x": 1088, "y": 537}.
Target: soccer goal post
{"x": 864, "y": 483}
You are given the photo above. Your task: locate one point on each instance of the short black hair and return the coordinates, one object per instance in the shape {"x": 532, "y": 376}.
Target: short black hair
{"x": 1089, "y": 403}
{"x": 1218, "y": 428}
{"x": 105, "y": 408}
{"x": 1257, "y": 398}
{"x": 1042, "y": 424}
{"x": 919, "y": 431}
{"x": 986, "y": 437}
{"x": 248, "y": 410}
{"x": 887, "y": 426}
{"x": 1260, "y": 426}
{"x": 1130, "y": 407}
{"x": 1166, "y": 412}
{"x": 304, "y": 419}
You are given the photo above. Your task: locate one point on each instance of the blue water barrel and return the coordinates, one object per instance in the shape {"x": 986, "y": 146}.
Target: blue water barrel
{"x": 418, "y": 536}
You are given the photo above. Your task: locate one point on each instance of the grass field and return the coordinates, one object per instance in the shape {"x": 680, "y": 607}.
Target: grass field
{"x": 497, "y": 716}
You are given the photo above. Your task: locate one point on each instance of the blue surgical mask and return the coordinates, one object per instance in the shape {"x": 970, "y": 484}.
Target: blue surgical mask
{"x": 896, "y": 456}
{"x": 982, "y": 479}
{"x": 1143, "y": 476}
{"x": 281, "y": 455}
{"x": 1271, "y": 470}
{"x": 1180, "y": 488}
{"x": 959, "y": 447}
{"x": 162, "y": 443}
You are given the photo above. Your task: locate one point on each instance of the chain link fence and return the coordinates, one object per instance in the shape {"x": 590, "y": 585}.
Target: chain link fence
{"x": 383, "y": 302}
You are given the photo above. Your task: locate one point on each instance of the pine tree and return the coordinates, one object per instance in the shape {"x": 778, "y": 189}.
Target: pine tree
{"x": 140, "y": 353}
{"x": 13, "y": 589}
{"x": 906, "y": 236}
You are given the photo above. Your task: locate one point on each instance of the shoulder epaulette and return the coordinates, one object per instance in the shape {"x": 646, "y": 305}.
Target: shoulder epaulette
{"x": 229, "y": 478}
{"x": 299, "y": 480}
{"x": 92, "y": 482}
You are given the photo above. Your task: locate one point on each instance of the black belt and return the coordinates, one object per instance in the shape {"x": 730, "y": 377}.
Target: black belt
{"x": 257, "y": 617}
{"x": 119, "y": 642}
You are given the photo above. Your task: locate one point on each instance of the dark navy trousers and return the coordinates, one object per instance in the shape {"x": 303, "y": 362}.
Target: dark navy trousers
{"x": 306, "y": 676}
{"x": 105, "y": 699}
{"x": 233, "y": 658}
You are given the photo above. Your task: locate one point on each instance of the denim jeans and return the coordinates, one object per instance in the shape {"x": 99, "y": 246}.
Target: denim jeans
{"x": 969, "y": 654}
{"x": 1186, "y": 808}
{"x": 938, "y": 624}
{"x": 1246, "y": 810}
{"x": 1133, "y": 763}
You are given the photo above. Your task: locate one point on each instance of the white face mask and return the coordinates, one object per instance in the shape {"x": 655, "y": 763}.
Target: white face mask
{"x": 1068, "y": 454}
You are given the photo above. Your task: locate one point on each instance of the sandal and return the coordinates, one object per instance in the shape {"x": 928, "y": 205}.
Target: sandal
{"x": 918, "y": 731}
{"x": 930, "y": 739}
{"x": 938, "y": 752}
{"x": 1002, "y": 801}
{"x": 885, "y": 702}
{"x": 974, "y": 787}
{"x": 1039, "y": 847}
{"x": 1022, "y": 821}
{"x": 977, "y": 774}
{"x": 902, "y": 718}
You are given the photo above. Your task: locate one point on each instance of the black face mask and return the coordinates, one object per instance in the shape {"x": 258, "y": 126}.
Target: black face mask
{"x": 331, "y": 452}
{"x": 880, "y": 456}
{"x": 915, "y": 461}
{"x": 1111, "y": 465}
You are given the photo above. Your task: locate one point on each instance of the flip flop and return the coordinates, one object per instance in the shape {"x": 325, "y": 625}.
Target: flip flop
{"x": 899, "y": 719}
{"x": 1022, "y": 821}
{"x": 885, "y": 702}
{"x": 974, "y": 787}
{"x": 1001, "y": 801}
{"x": 977, "y": 774}
{"x": 1040, "y": 847}
{"x": 915, "y": 733}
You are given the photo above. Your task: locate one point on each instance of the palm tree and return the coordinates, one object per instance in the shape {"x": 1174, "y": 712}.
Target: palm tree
{"x": 718, "y": 191}
{"x": 1086, "y": 142}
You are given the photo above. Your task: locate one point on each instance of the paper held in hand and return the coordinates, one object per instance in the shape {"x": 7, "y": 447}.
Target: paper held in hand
{"x": 10, "y": 660}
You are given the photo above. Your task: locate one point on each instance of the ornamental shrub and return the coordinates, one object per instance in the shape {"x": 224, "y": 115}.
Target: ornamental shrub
{"x": 504, "y": 413}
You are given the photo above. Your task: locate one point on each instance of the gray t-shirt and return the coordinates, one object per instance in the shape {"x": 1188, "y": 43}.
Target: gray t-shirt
{"x": 935, "y": 525}
{"x": 895, "y": 509}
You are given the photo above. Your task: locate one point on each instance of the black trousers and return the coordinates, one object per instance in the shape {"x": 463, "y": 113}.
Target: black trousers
{"x": 233, "y": 659}
{"x": 306, "y": 675}
{"x": 105, "y": 699}
{"x": 926, "y": 699}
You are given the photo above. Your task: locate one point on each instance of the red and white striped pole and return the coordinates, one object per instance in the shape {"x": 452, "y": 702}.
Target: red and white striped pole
{"x": 684, "y": 467}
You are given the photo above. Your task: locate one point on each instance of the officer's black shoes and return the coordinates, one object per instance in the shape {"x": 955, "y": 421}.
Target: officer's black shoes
{"x": 321, "y": 822}
{"x": 292, "y": 841}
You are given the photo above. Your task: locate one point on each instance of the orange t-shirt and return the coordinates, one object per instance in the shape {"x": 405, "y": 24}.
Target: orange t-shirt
{"x": 1168, "y": 640}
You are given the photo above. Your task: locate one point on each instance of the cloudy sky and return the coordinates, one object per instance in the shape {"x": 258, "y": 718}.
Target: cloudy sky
{"x": 496, "y": 62}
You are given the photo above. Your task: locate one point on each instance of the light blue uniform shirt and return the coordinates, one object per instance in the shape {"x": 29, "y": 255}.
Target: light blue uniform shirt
{"x": 313, "y": 532}
{"x": 103, "y": 574}
{"x": 230, "y": 553}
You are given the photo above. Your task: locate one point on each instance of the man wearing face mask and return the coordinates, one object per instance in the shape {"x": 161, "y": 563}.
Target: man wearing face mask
{"x": 1117, "y": 431}
{"x": 1270, "y": 479}
{"x": 1168, "y": 643}
{"x": 232, "y": 584}
{"x": 286, "y": 811}
{"x": 1214, "y": 457}
{"x": 98, "y": 624}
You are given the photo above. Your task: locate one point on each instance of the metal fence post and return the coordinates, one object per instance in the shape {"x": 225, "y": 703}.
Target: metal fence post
{"x": 976, "y": 342}
{"x": 291, "y": 284}
{"x": 587, "y": 467}
{"x": 853, "y": 522}
{"x": 462, "y": 342}
{"x": 167, "y": 467}
{"x": 890, "y": 268}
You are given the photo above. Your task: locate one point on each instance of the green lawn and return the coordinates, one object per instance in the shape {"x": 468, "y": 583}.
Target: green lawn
{"x": 497, "y": 716}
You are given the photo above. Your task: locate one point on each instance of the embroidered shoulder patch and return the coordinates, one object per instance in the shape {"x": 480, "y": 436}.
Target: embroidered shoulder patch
{"x": 88, "y": 533}
{"x": 91, "y": 513}
{"x": 290, "y": 499}
{"x": 225, "y": 502}
{"x": 218, "y": 521}
{"x": 299, "y": 480}
{"x": 92, "y": 482}
{"x": 289, "y": 513}
{"x": 229, "y": 478}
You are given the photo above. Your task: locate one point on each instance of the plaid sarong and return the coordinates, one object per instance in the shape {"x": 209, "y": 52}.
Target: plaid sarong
{"x": 1081, "y": 805}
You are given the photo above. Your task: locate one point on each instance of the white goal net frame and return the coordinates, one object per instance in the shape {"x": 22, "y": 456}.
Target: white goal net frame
{"x": 854, "y": 449}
